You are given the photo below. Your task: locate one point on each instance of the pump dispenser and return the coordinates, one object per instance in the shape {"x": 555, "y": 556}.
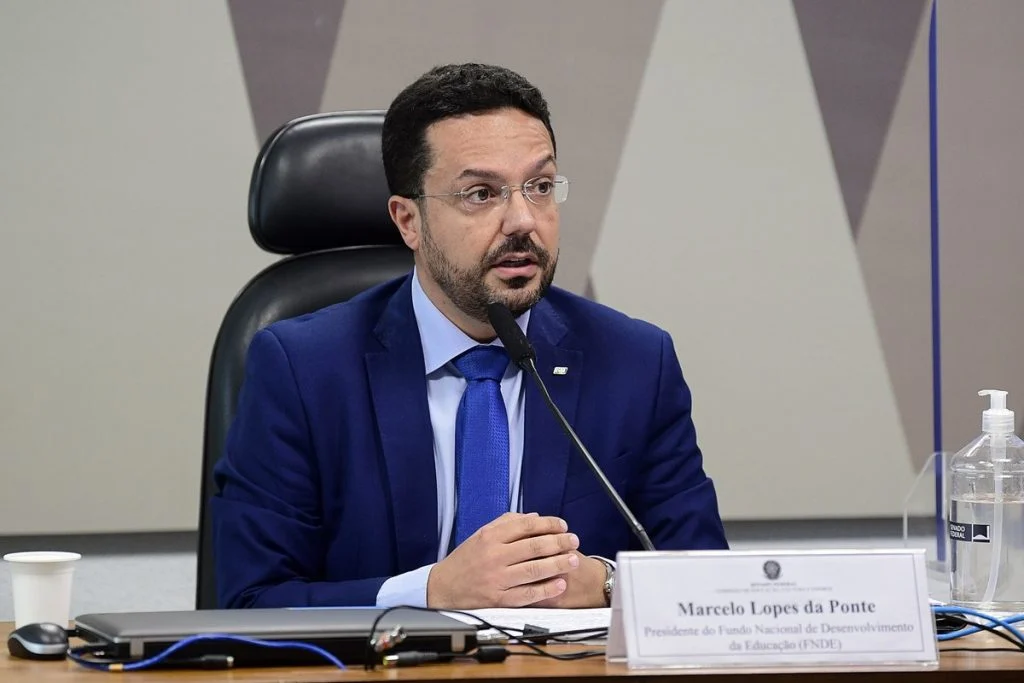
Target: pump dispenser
{"x": 986, "y": 514}
{"x": 997, "y": 419}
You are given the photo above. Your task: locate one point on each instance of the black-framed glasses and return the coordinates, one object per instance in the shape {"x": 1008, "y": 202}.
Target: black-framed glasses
{"x": 542, "y": 191}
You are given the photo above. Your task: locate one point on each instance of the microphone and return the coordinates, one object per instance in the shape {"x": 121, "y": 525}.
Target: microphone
{"x": 522, "y": 354}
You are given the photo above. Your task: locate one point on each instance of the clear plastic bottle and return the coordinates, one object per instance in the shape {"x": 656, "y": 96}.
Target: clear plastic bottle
{"x": 986, "y": 515}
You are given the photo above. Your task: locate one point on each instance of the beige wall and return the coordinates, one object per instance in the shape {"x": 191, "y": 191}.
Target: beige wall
{"x": 981, "y": 104}
{"x": 751, "y": 176}
{"x": 124, "y": 165}
{"x": 731, "y": 233}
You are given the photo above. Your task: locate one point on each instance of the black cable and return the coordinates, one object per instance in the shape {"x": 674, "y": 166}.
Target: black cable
{"x": 964, "y": 623}
{"x": 597, "y": 634}
{"x": 565, "y": 656}
{"x": 373, "y": 652}
{"x": 940, "y": 611}
{"x": 982, "y": 649}
{"x": 487, "y": 654}
{"x": 569, "y": 636}
{"x": 570, "y": 632}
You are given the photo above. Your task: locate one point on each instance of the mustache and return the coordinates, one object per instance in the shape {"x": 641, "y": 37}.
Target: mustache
{"x": 519, "y": 244}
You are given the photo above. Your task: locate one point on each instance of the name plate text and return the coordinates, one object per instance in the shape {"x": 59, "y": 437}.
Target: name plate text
{"x": 787, "y": 608}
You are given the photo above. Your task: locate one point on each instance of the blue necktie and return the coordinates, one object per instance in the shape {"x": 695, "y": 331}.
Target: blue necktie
{"x": 481, "y": 442}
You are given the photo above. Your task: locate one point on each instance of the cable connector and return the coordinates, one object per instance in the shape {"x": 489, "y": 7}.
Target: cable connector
{"x": 488, "y": 654}
{"x": 412, "y": 658}
{"x": 491, "y": 637}
{"x": 201, "y": 662}
{"x": 389, "y": 639}
{"x": 537, "y": 634}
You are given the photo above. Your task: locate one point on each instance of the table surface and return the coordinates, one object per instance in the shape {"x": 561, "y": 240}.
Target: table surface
{"x": 984, "y": 667}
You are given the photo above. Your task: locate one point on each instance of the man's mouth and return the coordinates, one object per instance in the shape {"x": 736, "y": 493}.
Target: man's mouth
{"x": 515, "y": 262}
{"x": 516, "y": 265}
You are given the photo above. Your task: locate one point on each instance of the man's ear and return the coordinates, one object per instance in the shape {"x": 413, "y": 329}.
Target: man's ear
{"x": 405, "y": 213}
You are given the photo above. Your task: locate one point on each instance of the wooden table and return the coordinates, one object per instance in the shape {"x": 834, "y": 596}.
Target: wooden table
{"x": 982, "y": 667}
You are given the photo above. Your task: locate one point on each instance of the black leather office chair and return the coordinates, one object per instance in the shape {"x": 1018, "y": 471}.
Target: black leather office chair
{"x": 318, "y": 196}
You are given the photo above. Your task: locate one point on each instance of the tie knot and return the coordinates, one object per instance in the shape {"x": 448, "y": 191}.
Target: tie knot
{"x": 483, "y": 362}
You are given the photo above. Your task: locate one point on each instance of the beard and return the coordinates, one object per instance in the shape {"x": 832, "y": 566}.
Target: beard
{"x": 467, "y": 288}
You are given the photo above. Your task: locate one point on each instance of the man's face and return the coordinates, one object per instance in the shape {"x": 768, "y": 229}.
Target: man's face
{"x": 480, "y": 248}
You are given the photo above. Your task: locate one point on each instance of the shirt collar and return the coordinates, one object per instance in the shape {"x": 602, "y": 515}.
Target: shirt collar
{"x": 441, "y": 339}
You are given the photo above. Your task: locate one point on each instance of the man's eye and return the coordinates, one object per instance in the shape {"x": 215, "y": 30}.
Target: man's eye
{"x": 479, "y": 195}
{"x": 543, "y": 187}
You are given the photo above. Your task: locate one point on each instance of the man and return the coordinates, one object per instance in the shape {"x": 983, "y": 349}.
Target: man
{"x": 386, "y": 452}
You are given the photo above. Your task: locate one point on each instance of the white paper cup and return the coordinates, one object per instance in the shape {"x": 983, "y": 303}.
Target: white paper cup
{"x": 41, "y": 583}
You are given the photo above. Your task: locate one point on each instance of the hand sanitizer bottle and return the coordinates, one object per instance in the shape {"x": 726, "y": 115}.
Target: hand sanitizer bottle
{"x": 986, "y": 515}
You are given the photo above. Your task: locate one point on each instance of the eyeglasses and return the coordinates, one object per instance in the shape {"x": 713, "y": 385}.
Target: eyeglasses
{"x": 542, "y": 191}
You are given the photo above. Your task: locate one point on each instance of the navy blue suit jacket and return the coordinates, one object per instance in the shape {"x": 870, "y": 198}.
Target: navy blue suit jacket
{"x": 327, "y": 483}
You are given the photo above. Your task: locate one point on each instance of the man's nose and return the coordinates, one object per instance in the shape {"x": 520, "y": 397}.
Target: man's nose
{"x": 519, "y": 213}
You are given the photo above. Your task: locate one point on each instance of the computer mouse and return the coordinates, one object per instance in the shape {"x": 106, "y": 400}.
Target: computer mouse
{"x": 38, "y": 641}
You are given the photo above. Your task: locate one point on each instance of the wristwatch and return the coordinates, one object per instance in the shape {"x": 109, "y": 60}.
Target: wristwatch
{"x": 609, "y": 579}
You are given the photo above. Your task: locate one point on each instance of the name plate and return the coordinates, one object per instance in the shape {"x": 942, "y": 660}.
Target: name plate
{"x": 714, "y": 609}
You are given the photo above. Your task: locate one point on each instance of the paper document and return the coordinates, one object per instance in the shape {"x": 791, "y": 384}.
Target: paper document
{"x": 551, "y": 619}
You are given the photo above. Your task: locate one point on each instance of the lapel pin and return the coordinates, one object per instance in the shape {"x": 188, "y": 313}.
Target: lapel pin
{"x": 560, "y": 370}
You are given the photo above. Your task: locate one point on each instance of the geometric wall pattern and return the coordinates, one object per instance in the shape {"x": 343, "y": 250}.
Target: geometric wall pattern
{"x": 285, "y": 49}
{"x": 752, "y": 176}
{"x": 857, "y": 54}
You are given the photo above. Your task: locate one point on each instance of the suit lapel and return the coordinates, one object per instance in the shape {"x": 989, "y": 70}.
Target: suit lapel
{"x": 547, "y": 449}
{"x": 397, "y": 380}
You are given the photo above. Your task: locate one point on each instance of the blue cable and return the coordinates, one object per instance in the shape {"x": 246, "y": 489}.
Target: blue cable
{"x": 144, "y": 663}
{"x": 1005, "y": 623}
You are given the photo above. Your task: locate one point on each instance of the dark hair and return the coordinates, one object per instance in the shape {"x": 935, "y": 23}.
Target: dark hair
{"x": 441, "y": 93}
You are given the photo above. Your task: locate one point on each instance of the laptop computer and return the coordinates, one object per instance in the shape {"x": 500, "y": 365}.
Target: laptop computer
{"x": 341, "y": 631}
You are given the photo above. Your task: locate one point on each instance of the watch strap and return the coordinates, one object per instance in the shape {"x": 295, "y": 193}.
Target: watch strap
{"x": 609, "y": 579}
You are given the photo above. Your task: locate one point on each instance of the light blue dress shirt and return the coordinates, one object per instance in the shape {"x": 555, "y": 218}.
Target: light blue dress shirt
{"x": 442, "y": 341}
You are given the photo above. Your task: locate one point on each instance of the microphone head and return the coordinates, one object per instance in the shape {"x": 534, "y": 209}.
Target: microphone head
{"x": 511, "y": 335}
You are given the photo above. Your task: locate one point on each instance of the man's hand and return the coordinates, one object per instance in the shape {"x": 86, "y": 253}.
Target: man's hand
{"x": 585, "y": 587}
{"x": 514, "y": 561}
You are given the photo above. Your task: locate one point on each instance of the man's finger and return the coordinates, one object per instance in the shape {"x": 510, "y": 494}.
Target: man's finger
{"x": 535, "y": 571}
{"x": 536, "y": 547}
{"x": 510, "y": 529}
{"x": 521, "y": 596}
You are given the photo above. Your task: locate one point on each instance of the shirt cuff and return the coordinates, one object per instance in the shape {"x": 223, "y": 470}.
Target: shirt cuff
{"x": 409, "y": 589}
{"x": 605, "y": 559}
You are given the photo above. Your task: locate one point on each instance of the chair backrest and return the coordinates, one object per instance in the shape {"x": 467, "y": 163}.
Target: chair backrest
{"x": 318, "y": 196}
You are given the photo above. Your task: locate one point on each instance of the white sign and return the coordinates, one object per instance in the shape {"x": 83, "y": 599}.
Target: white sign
{"x": 788, "y": 608}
